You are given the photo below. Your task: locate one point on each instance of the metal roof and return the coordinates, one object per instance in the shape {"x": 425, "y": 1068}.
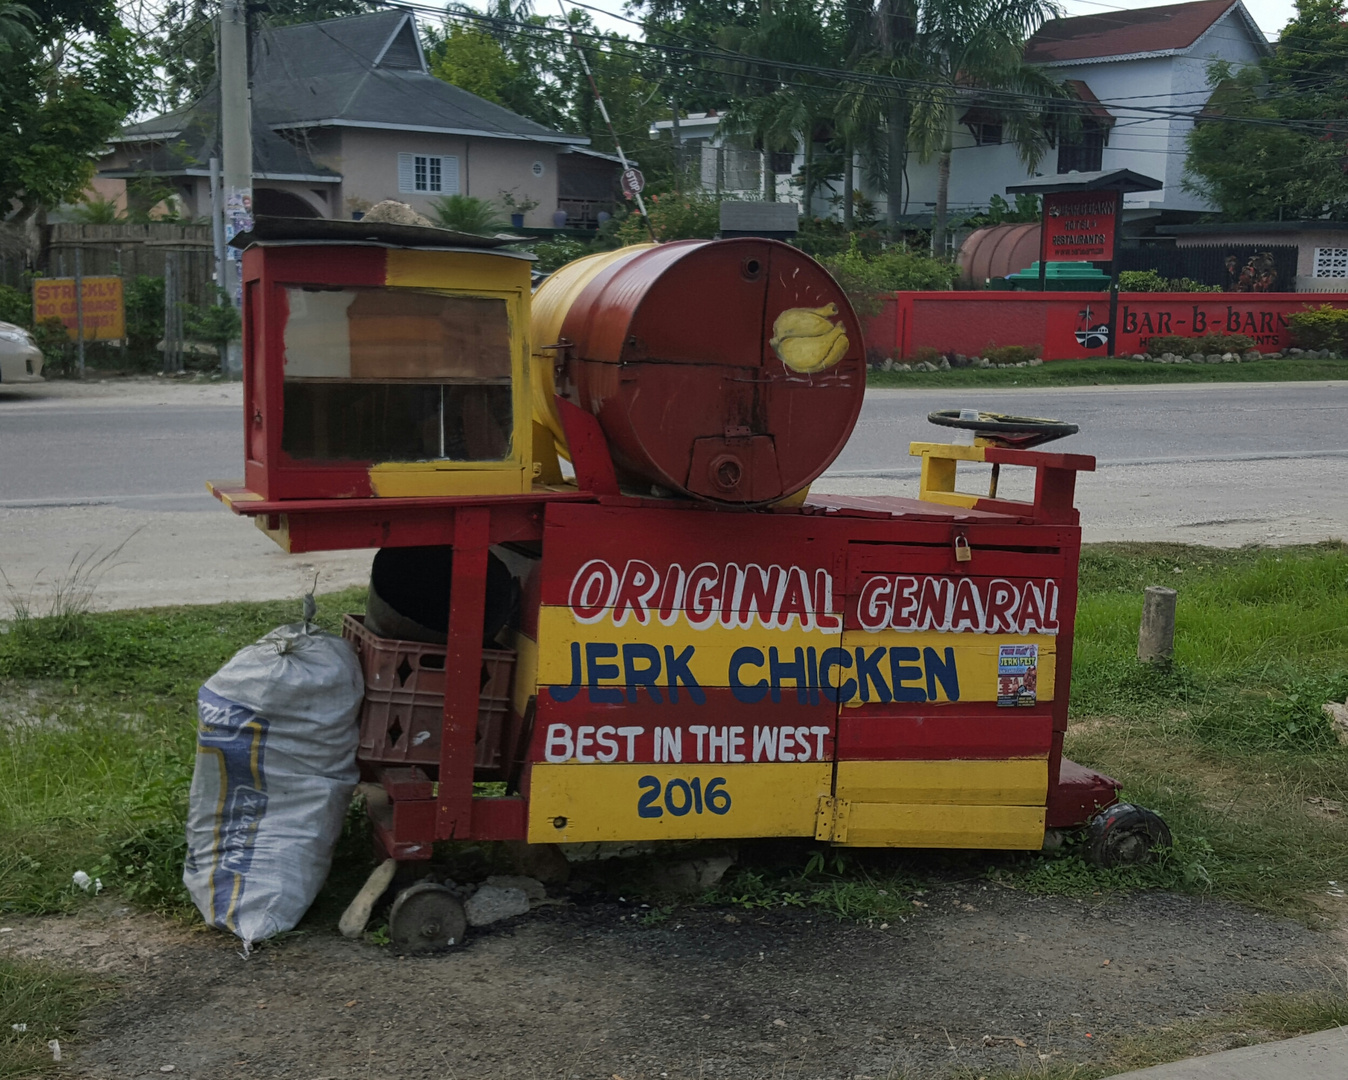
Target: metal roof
{"x": 292, "y": 230}
{"x": 1106, "y": 180}
{"x": 1172, "y": 28}
{"x": 368, "y": 70}
{"x": 365, "y": 71}
{"x": 183, "y": 143}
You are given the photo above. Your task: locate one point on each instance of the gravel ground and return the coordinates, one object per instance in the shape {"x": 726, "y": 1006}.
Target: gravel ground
{"x": 584, "y": 990}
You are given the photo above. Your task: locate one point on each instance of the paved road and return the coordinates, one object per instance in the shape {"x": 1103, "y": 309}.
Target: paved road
{"x": 82, "y": 467}
{"x": 87, "y": 467}
{"x": 1209, "y": 464}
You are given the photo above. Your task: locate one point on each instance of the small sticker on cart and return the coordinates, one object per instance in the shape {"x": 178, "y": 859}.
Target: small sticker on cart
{"x": 1017, "y": 674}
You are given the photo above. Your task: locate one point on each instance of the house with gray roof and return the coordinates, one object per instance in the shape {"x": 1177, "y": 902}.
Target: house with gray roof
{"x": 346, "y": 113}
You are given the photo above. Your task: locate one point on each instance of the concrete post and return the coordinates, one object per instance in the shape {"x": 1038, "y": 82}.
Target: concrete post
{"x": 1156, "y": 637}
{"x": 236, "y": 136}
{"x": 79, "y": 302}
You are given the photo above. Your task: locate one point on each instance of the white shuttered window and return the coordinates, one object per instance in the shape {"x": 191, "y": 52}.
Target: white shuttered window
{"x": 432, "y": 174}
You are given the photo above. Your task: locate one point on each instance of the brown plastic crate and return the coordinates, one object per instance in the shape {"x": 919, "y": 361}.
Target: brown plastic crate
{"x": 404, "y": 709}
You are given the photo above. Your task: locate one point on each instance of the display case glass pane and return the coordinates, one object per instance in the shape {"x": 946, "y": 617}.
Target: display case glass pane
{"x": 396, "y": 375}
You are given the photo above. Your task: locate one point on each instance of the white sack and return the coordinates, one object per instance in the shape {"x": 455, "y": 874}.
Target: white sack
{"x": 275, "y": 771}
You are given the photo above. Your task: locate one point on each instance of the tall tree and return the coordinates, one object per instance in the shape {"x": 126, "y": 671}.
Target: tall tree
{"x": 968, "y": 46}
{"x": 1272, "y": 142}
{"x": 896, "y": 38}
{"x": 530, "y": 64}
{"x": 780, "y": 107}
{"x": 16, "y": 26}
{"x": 70, "y": 80}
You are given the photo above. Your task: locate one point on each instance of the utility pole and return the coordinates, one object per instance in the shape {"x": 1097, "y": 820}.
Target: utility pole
{"x": 218, "y": 229}
{"x": 236, "y": 138}
{"x": 678, "y": 143}
{"x": 603, "y": 111}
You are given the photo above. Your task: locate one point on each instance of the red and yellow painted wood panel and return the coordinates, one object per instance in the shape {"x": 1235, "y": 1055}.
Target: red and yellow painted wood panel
{"x": 912, "y": 709}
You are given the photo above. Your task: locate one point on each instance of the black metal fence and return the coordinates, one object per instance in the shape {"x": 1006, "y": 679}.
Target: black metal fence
{"x": 1263, "y": 267}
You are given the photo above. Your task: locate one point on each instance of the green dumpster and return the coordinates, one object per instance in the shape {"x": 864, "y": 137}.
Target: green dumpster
{"x": 1061, "y": 277}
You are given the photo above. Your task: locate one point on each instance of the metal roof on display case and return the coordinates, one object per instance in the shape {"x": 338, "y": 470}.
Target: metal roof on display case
{"x": 268, "y": 229}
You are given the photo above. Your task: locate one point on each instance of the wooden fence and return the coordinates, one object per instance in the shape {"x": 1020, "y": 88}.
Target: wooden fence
{"x": 130, "y": 251}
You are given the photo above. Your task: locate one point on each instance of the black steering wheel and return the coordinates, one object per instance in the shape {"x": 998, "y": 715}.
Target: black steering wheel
{"x": 1011, "y": 432}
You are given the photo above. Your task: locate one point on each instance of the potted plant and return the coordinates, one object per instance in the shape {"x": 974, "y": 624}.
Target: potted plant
{"x": 517, "y": 207}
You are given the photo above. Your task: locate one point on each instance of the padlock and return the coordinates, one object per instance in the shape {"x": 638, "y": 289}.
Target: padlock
{"x": 963, "y": 553}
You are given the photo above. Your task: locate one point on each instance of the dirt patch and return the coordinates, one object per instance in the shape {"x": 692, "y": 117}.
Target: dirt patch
{"x": 589, "y": 991}
{"x": 105, "y": 938}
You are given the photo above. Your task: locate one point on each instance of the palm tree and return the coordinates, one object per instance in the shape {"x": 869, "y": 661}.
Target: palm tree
{"x": 466, "y": 214}
{"x": 896, "y": 36}
{"x": 968, "y": 46}
{"x": 786, "y": 111}
{"x": 15, "y": 23}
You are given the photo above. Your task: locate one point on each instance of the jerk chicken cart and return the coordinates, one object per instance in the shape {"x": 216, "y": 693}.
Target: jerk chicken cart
{"x": 698, "y": 647}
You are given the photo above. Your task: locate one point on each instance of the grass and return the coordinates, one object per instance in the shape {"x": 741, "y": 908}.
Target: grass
{"x": 99, "y": 725}
{"x": 1113, "y": 373}
{"x": 39, "y": 1003}
{"x": 1227, "y": 743}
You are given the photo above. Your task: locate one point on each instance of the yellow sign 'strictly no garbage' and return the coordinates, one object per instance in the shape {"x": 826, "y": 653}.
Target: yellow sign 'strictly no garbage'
{"x": 104, "y": 311}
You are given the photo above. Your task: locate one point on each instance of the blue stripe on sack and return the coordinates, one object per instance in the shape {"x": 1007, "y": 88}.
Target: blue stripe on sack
{"x": 237, "y": 738}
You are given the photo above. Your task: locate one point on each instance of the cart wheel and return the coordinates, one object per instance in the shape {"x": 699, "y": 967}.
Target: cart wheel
{"x": 1126, "y": 835}
{"x": 425, "y": 917}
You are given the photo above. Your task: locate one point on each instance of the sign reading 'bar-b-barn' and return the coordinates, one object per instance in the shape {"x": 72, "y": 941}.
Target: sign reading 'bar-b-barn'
{"x": 1079, "y": 225}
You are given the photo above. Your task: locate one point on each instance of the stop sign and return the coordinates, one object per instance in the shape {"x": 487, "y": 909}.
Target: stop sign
{"x": 633, "y": 182}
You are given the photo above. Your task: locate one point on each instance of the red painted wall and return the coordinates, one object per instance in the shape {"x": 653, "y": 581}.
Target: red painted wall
{"x": 880, "y": 331}
{"x": 1070, "y": 326}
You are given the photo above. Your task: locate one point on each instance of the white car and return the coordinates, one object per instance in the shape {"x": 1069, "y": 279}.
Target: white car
{"x": 20, "y": 358}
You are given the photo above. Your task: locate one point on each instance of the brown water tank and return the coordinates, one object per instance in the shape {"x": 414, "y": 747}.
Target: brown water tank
{"x": 996, "y": 251}
{"x": 727, "y": 370}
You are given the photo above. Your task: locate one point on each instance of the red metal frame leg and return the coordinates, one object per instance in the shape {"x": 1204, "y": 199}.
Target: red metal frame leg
{"x": 463, "y": 666}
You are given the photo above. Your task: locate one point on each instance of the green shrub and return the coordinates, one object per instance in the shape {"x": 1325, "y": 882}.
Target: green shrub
{"x": 15, "y": 306}
{"x": 554, "y": 254}
{"x": 1011, "y": 354}
{"x": 1324, "y": 327}
{"x": 1153, "y": 281}
{"x": 465, "y": 213}
{"x": 867, "y": 278}
{"x": 927, "y": 354}
{"x": 213, "y": 324}
{"x": 58, "y": 353}
{"x": 1208, "y": 343}
{"x": 690, "y": 215}
{"x": 144, "y": 320}
{"x": 216, "y": 324}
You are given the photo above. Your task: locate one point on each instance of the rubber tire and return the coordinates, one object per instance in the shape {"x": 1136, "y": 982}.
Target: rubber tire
{"x": 426, "y": 917}
{"x": 1126, "y": 835}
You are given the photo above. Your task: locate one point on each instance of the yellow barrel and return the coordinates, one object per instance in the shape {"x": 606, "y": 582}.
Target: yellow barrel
{"x": 551, "y": 302}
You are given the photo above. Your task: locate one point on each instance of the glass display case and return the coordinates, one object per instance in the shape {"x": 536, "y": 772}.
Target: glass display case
{"x": 380, "y": 370}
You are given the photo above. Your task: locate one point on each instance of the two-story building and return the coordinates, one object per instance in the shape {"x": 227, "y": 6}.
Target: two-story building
{"x": 1138, "y": 79}
{"x": 345, "y": 114}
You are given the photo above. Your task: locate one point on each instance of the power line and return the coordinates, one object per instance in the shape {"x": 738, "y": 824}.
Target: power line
{"x": 990, "y": 96}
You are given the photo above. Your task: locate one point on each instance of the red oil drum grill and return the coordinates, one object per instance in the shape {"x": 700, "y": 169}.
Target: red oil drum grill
{"x": 704, "y": 650}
